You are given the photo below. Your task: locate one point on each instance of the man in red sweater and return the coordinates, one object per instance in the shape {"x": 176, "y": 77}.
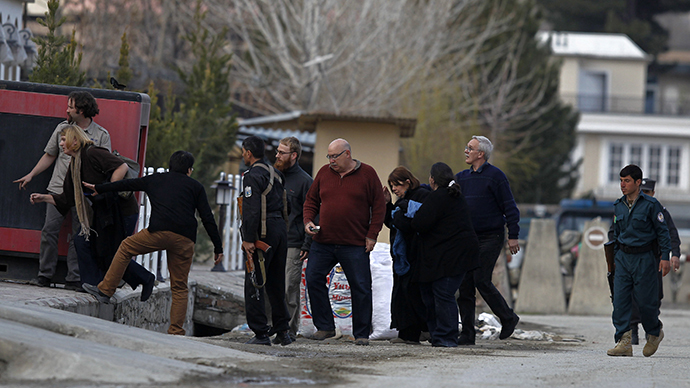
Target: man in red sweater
{"x": 347, "y": 196}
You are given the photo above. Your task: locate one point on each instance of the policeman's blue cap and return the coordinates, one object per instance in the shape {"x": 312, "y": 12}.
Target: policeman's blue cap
{"x": 648, "y": 184}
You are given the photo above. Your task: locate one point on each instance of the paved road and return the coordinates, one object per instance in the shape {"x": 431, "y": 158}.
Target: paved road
{"x": 40, "y": 346}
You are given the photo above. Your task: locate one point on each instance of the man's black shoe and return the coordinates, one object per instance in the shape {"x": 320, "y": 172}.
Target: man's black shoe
{"x": 284, "y": 338}
{"x": 259, "y": 341}
{"x": 93, "y": 290}
{"x": 147, "y": 288}
{"x": 509, "y": 327}
{"x": 465, "y": 340}
{"x": 40, "y": 281}
{"x": 73, "y": 286}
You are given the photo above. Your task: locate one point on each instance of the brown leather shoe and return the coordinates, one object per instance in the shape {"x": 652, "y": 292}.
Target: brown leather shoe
{"x": 321, "y": 335}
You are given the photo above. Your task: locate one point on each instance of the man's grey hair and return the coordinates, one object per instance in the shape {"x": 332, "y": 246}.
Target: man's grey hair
{"x": 485, "y": 146}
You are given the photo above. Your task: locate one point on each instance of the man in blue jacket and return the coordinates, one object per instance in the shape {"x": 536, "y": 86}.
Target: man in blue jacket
{"x": 638, "y": 226}
{"x": 492, "y": 207}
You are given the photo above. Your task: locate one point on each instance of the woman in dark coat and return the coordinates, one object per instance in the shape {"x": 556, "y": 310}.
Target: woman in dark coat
{"x": 447, "y": 249}
{"x": 407, "y": 308}
{"x": 105, "y": 219}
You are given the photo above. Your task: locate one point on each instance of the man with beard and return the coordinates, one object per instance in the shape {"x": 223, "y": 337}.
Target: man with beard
{"x": 81, "y": 108}
{"x": 263, "y": 208}
{"x": 297, "y": 183}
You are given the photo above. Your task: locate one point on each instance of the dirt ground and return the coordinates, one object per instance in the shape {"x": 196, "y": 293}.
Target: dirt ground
{"x": 336, "y": 362}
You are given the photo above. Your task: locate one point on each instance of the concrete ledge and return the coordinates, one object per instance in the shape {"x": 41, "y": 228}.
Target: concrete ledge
{"x": 127, "y": 309}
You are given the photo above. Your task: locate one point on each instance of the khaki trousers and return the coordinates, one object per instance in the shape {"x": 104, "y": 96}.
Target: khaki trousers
{"x": 180, "y": 251}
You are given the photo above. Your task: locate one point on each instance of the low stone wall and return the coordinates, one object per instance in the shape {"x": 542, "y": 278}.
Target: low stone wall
{"x": 127, "y": 309}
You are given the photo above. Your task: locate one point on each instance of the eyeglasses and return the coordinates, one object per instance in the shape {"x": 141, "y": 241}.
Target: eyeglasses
{"x": 283, "y": 152}
{"x": 468, "y": 149}
{"x": 329, "y": 157}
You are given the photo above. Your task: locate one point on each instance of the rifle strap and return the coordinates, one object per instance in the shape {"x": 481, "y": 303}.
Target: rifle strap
{"x": 273, "y": 175}
{"x": 262, "y": 268}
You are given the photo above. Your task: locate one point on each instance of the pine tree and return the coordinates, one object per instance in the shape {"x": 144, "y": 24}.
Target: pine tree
{"x": 57, "y": 62}
{"x": 510, "y": 95}
{"x": 541, "y": 171}
{"x": 124, "y": 73}
{"x": 203, "y": 124}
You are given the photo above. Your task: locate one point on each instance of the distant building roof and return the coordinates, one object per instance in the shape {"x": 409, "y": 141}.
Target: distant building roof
{"x": 306, "y": 139}
{"x": 307, "y": 120}
{"x": 295, "y": 114}
{"x": 674, "y": 57}
{"x": 597, "y": 45}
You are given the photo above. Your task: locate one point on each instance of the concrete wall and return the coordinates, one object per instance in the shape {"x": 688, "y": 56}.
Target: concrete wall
{"x": 127, "y": 309}
{"x": 589, "y": 148}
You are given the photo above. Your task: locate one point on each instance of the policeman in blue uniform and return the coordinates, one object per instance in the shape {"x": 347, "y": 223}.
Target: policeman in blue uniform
{"x": 647, "y": 187}
{"x": 263, "y": 219}
{"x": 639, "y": 224}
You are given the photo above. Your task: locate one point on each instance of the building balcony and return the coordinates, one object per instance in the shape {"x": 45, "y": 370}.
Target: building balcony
{"x": 628, "y": 105}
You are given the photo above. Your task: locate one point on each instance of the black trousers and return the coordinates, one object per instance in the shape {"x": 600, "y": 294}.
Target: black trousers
{"x": 490, "y": 246}
{"x": 274, "y": 288}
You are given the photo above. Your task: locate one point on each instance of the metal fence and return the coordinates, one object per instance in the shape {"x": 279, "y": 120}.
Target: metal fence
{"x": 156, "y": 262}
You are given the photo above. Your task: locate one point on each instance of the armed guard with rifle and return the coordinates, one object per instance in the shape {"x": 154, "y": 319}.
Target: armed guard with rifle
{"x": 647, "y": 187}
{"x": 639, "y": 225}
{"x": 264, "y": 241}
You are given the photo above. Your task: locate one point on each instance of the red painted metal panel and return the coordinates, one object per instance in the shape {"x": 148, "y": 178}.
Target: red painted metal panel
{"x": 121, "y": 118}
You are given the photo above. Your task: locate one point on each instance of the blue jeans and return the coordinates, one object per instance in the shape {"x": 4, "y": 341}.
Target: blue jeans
{"x": 355, "y": 263}
{"x": 442, "y": 310}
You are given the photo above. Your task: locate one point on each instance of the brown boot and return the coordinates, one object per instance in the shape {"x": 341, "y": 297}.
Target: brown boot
{"x": 652, "y": 344}
{"x": 623, "y": 347}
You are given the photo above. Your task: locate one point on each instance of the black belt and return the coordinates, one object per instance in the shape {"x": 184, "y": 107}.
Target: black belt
{"x": 276, "y": 214}
{"x": 630, "y": 249}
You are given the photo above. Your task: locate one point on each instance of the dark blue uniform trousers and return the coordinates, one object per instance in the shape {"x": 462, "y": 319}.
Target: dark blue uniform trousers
{"x": 636, "y": 277}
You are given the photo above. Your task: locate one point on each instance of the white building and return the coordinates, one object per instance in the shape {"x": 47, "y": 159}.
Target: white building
{"x": 605, "y": 77}
{"x": 16, "y": 48}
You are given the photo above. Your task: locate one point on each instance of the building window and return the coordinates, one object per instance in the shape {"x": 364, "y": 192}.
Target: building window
{"x": 659, "y": 162}
{"x": 673, "y": 173}
{"x": 615, "y": 161}
{"x": 636, "y": 154}
{"x": 654, "y": 169}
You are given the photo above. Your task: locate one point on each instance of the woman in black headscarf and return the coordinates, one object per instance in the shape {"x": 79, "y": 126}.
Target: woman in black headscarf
{"x": 447, "y": 249}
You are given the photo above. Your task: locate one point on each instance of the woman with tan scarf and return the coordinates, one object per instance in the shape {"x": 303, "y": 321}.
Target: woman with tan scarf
{"x": 94, "y": 164}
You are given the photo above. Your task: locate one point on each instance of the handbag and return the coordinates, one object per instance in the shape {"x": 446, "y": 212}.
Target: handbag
{"x": 133, "y": 172}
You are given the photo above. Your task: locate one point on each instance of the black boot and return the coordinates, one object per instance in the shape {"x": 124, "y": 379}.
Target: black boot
{"x": 635, "y": 339}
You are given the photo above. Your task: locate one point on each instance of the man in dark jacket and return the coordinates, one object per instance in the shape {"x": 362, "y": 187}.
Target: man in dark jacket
{"x": 297, "y": 183}
{"x": 175, "y": 199}
{"x": 262, "y": 220}
{"x": 492, "y": 207}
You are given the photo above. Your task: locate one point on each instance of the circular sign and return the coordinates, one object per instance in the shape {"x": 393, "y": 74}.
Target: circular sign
{"x": 595, "y": 237}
